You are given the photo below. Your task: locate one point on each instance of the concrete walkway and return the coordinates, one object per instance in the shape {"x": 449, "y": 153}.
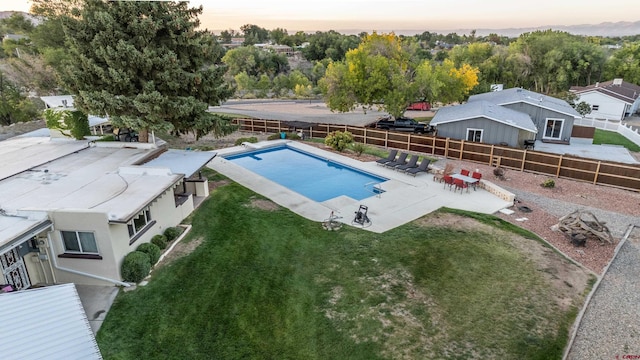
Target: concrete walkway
{"x": 96, "y": 301}
{"x": 405, "y": 197}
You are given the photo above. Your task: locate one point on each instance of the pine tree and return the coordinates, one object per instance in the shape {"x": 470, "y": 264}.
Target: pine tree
{"x": 146, "y": 66}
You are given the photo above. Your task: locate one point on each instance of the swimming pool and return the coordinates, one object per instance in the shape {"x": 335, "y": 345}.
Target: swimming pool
{"x": 317, "y": 178}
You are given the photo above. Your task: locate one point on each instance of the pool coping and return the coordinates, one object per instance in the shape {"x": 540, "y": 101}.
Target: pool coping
{"x": 405, "y": 197}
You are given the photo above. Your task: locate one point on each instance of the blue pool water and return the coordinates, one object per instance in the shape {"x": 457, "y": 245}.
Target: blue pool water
{"x": 311, "y": 176}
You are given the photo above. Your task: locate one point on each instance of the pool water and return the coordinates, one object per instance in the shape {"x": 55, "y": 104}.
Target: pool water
{"x": 309, "y": 175}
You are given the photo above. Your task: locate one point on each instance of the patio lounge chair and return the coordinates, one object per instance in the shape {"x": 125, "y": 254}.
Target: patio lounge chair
{"x": 391, "y": 157}
{"x": 423, "y": 167}
{"x": 413, "y": 162}
{"x": 402, "y": 159}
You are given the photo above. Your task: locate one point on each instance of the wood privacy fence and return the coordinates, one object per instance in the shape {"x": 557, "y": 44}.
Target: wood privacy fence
{"x": 625, "y": 176}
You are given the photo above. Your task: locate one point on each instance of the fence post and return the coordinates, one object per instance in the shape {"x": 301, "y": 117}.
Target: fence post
{"x": 386, "y": 139}
{"x": 524, "y": 159}
{"x": 595, "y": 176}
{"x": 461, "y": 149}
{"x": 559, "y": 166}
{"x": 409, "y": 142}
{"x": 446, "y": 148}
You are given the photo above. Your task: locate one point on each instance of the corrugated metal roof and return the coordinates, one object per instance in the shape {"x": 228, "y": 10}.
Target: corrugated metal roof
{"x": 487, "y": 110}
{"x": 514, "y": 95}
{"x": 184, "y": 162}
{"x": 45, "y": 323}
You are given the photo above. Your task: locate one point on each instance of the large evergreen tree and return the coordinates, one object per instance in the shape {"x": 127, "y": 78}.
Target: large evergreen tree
{"x": 146, "y": 66}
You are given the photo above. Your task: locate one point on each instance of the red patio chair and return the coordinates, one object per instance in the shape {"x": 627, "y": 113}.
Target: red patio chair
{"x": 460, "y": 184}
{"x": 464, "y": 172}
{"x": 476, "y": 175}
{"x": 448, "y": 180}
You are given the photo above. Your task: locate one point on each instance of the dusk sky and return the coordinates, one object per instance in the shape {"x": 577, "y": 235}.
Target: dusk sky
{"x": 399, "y": 15}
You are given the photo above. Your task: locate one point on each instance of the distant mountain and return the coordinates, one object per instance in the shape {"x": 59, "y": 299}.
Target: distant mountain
{"x": 610, "y": 29}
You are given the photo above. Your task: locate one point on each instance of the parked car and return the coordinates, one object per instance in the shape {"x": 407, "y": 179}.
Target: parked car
{"x": 404, "y": 124}
{"x": 419, "y": 105}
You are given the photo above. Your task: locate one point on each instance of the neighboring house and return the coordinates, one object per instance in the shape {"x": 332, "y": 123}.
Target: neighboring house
{"x": 53, "y": 316}
{"x": 14, "y": 37}
{"x": 613, "y": 100}
{"x": 71, "y": 210}
{"x": 486, "y": 122}
{"x": 552, "y": 117}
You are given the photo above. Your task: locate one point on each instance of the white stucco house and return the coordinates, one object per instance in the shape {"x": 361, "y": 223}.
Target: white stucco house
{"x": 71, "y": 210}
{"x": 610, "y": 100}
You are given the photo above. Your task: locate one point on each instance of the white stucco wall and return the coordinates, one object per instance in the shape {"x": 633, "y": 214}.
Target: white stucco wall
{"x": 608, "y": 107}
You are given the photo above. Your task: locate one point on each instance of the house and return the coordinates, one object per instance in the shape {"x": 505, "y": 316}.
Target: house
{"x": 612, "y": 100}
{"x": 552, "y": 117}
{"x": 51, "y": 315}
{"x": 71, "y": 210}
{"x": 486, "y": 122}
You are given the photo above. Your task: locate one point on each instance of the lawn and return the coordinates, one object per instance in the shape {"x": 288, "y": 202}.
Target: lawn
{"x": 269, "y": 284}
{"x": 613, "y": 138}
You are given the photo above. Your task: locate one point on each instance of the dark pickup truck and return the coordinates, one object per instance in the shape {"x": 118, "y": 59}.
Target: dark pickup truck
{"x": 404, "y": 124}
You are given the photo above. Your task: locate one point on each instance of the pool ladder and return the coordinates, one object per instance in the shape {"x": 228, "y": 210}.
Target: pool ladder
{"x": 376, "y": 188}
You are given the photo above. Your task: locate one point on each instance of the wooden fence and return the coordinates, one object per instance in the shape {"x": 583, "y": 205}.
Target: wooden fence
{"x": 625, "y": 176}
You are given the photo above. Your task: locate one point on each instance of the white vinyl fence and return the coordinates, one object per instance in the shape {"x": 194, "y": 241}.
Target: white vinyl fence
{"x": 612, "y": 125}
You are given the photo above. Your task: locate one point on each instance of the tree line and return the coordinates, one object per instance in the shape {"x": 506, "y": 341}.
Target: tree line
{"x": 151, "y": 66}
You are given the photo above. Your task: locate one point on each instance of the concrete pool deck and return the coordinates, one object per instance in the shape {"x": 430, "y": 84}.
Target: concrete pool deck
{"x": 405, "y": 198}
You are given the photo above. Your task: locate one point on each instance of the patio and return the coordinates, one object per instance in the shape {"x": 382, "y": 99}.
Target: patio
{"x": 405, "y": 198}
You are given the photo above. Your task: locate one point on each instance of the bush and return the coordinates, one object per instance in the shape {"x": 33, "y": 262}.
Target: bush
{"x": 274, "y": 137}
{"x": 338, "y": 140}
{"x": 152, "y": 250}
{"x": 135, "y": 267}
{"x": 549, "y": 183}
{"x": 160, "y": 241}
{"x": 252, "y": 139}
{"x": 358, "y": 148}
{"x": 172, "y": 233}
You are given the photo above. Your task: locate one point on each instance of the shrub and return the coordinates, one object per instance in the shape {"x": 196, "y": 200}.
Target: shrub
{"x": 135, "y": 267}
{"x": 358, "y": 148}
{"x": 172, "y": 233}
{"x": 274, "y": 136}
{"x": 549, "y": 183}
{"x": 160, "y": 241}
{"x": 152, "y": 250}
{"x": 252, "y": 139}
{"x": 338, "y": 140}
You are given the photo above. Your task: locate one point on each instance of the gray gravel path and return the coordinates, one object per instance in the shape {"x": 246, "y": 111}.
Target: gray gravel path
{"x": 610, "y": 327}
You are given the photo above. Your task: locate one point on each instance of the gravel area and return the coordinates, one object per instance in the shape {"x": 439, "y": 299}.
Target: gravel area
{"x": 617, "y": 208}
{"x": 610, "y": 326}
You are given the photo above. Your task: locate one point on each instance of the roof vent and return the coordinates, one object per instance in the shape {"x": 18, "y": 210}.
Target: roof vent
{"x": 597, "y": 84}
{"x": 617, "y": 81}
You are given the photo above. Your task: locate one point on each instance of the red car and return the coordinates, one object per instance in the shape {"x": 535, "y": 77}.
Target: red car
{"x": 419, "y": 105}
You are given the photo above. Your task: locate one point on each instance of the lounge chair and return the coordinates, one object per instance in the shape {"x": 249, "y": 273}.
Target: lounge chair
{"x": 423, "y": 167}
{"x": 402, "y": 159}
{"x": 391, "y": 157}
{"x": 413, "y": 162}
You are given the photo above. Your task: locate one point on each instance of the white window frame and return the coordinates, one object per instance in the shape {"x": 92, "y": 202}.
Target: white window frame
{"x": 481, "y": 131}
{"x": 134, "y": 227}
{"x": 79, "y": 242}
{"x": 546, "y": 124}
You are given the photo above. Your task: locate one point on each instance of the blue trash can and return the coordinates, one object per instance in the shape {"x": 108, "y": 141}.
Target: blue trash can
{"x": 283, "y": 135}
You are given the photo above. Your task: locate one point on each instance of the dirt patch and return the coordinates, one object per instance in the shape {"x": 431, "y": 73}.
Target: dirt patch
{"x": 20, "y": 128}
{"x": 180, "y": 250}
{"x": 263, "y": 204}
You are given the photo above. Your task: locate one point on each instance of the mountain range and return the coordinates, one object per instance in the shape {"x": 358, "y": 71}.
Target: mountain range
{"x": 607, "y": 29}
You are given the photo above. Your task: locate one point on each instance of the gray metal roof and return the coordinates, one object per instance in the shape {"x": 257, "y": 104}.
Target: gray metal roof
{"x": 515, "y": 95}
{"x": 45, "y": 323}
{"x": 487, "y": 110}
{"x": 184, "y": 162}
{"x": 58, "y": 101}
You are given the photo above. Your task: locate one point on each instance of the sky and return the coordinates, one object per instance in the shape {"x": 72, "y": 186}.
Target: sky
{"x": 400, "y": 15}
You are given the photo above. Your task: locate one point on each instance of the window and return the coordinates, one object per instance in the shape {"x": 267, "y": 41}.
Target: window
{"x": 474, "y": 135}
{"x": 553, "y": 129}
{"x": 138, "y": 223}
{"x": 80, "y": 242}
{"x": 595, "y": 107}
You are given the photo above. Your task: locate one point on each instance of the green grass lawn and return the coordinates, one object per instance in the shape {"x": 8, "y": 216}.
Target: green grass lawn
{"x": 613, "y": 138}
{"x": 272, "y": 285}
